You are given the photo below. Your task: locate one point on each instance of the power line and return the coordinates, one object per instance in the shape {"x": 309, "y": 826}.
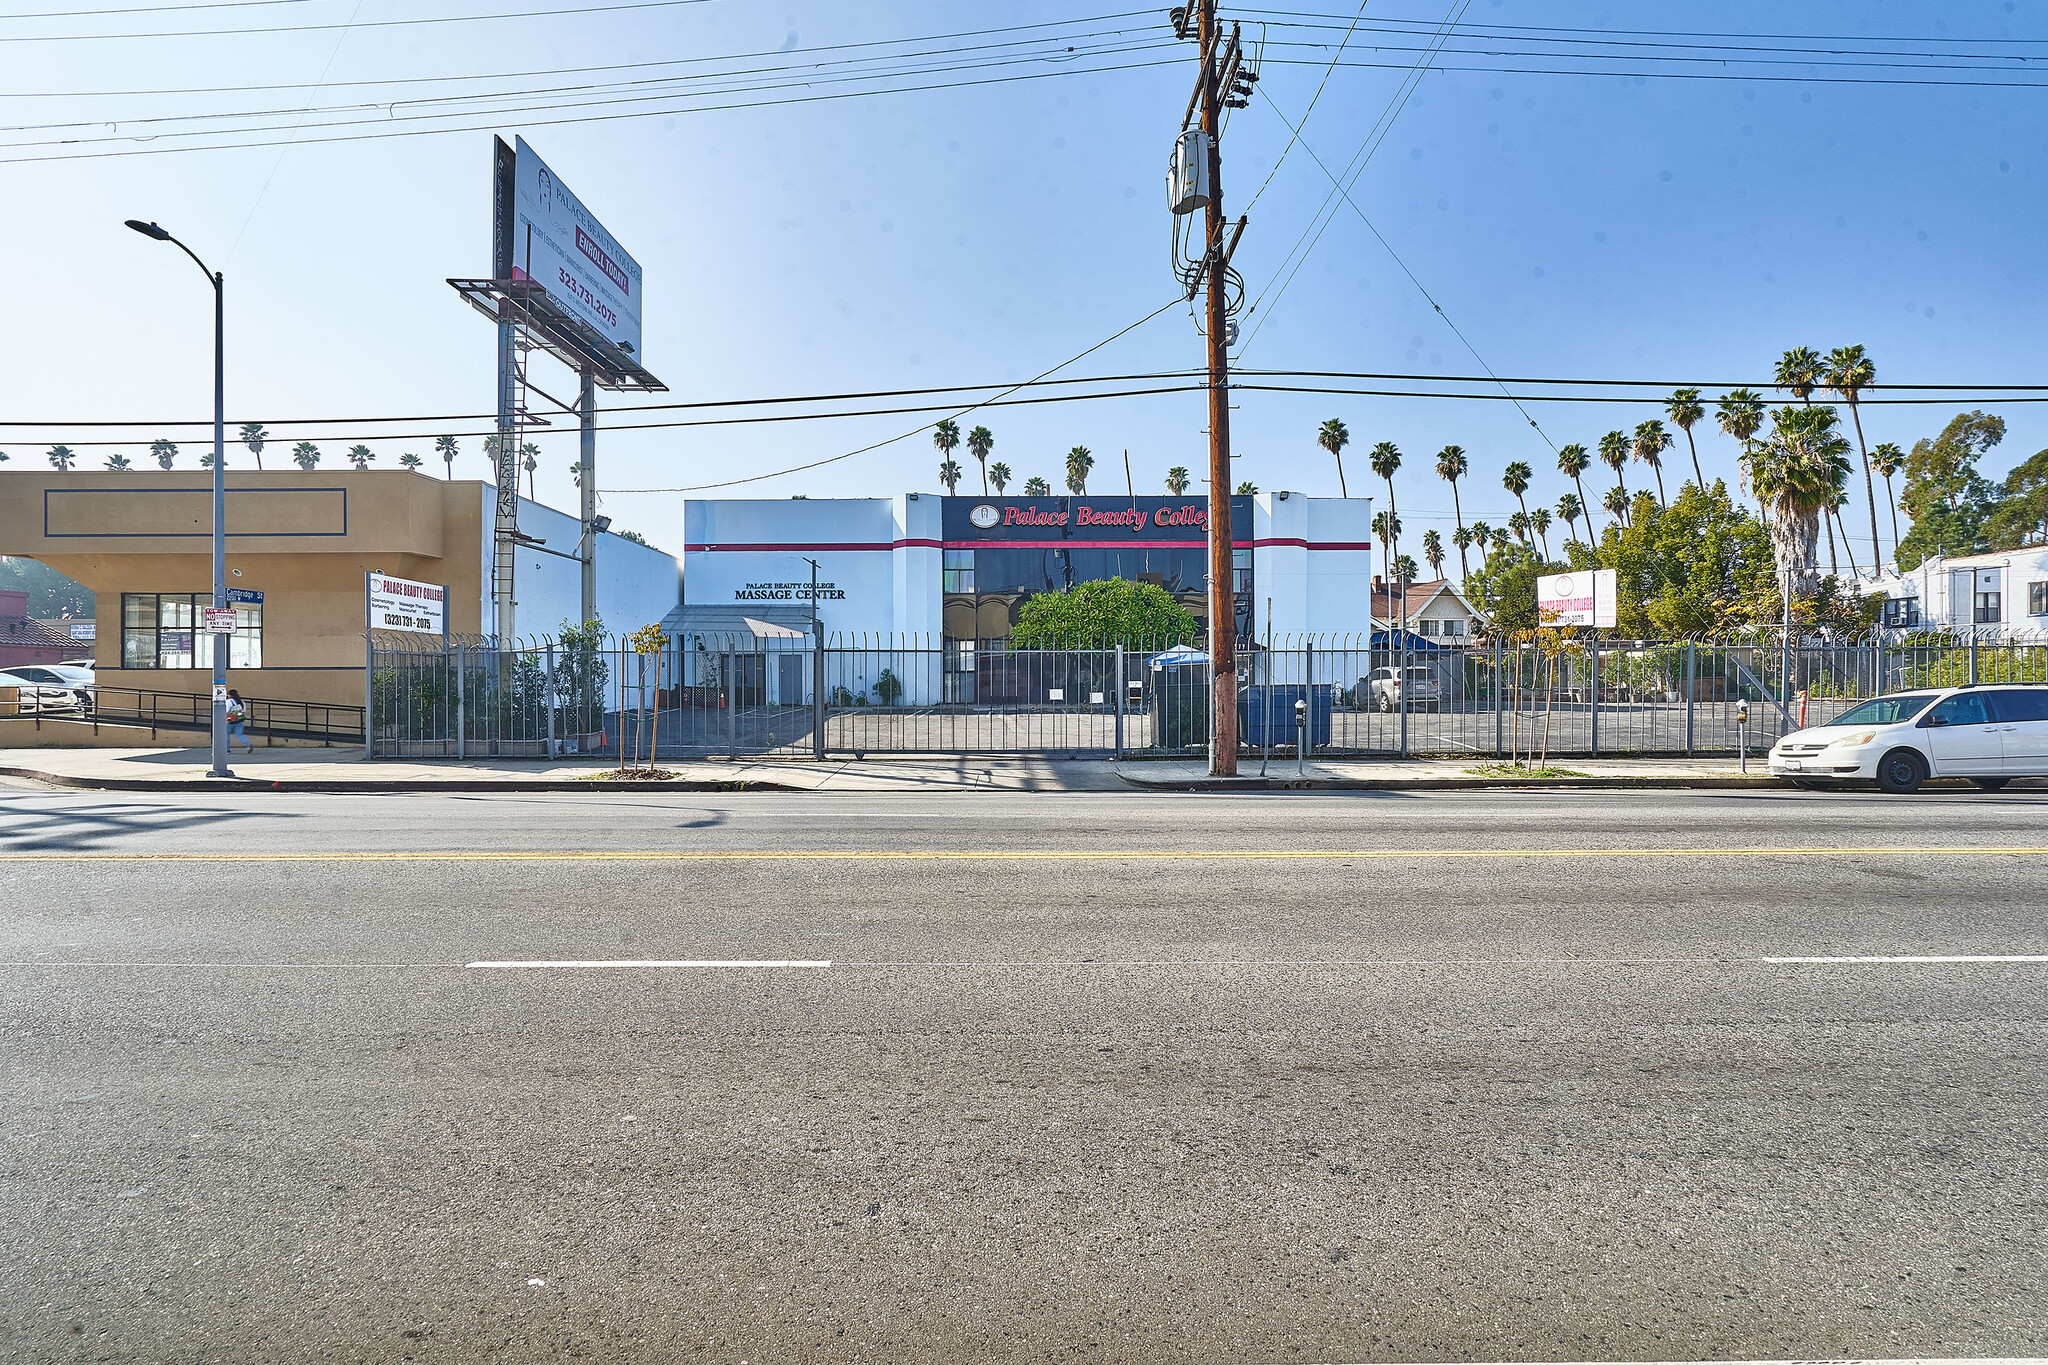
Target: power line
{"x": 1665, "y": 33}
{"x": 322, "y": 28}
{"x": 146, "y": 9}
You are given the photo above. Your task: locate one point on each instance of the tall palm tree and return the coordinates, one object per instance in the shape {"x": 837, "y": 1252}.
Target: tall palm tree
{"x": 1614, "y": 452}
{"x": 1539, "y": 522}
{"x": 1515, "y": 478}
{"x": 1500, "y": 538}
{"x": 1849, "y": 372}
{"x": 1333, "y": 437}
{"x": 1387, "y": 528}
{"x": 445, "y": 447}
{"x": 1037, "y": 488}
{"x": 1482, "y": 536}
{"x": 360, "y": 456}
{"x": 530, "y": 454}
{"x": 305, "y": 454}
{"x": 412, "y": 461}
{"x": 1433, "y": 551}
{"x": 118, "y": 461}
{"x": 1683, "y": 407}
{"x": 1795, "y": 472}
{"x": 980, "y": 442}
{"x": 1450, "y": 467}
{"x": 1615, "y": 504}
{"x": 1079, "y": 462}
{"x": 1569, "y": 507}
{"x": 1887, "y": 459}
{"x": 1800, "y": 371}
{"x": 1651, "y": 443}
{"x": 253, "y": 436}
{"x": 1572, "y": 461}
{"x": 1740, "y": 413}
{"x": 1177, "y": 480}
{"x": 1462, "y": 538}
{"x": 949, "y": 475}
{"x": 1385, "y": 459}
{"x": 1842, "y": 500}
{"x": 946, "y": 436}
{"x": 998, "y": 473}
{"x": 164, "y": 451}
{"x": 1518, "y": 522}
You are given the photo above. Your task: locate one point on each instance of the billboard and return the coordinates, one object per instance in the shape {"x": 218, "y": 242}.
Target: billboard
{"x": 1577, "y": 599}
{"x": 558, "y": 244}
{"x": 401, "y": 604}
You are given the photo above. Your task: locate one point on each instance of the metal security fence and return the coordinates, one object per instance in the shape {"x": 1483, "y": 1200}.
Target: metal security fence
{"x": 1563, "y": 695}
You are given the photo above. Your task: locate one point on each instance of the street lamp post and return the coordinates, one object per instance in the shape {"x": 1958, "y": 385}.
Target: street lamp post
{"x": 220, "y": 538}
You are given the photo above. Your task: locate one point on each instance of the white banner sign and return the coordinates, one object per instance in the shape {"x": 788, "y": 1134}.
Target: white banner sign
{"x": 400, "y": 604}
{"x": 559, "y": 245}
{"x": 1577, "y": 599}
{"x": 85, "y": 630}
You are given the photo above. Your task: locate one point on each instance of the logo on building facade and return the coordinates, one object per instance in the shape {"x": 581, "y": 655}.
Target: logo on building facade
{"x": 985, "y": 515}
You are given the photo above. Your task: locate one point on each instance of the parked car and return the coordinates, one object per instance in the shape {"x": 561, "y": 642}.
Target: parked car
{"x": 1383, "y": 688}
{"x": 34, "y": 695}
{"x": 1988, "y": 733}
{"x": 70, "y": 676}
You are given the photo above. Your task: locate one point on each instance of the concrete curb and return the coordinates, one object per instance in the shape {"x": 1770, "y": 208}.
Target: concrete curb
{"x": 255, "y": 784}
{"x": 1395, "y": 784}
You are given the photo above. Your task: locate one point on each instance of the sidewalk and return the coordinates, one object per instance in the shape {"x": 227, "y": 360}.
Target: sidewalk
{"x": 343, "y": 770}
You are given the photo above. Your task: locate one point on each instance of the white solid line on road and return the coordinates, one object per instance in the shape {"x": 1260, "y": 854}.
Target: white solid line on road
{"x": 657, "y": 962}
{"x": 1927, "y": 957}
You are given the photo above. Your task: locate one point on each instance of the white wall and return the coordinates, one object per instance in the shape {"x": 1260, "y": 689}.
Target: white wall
{"x": 728, "y": 546}
{"x": 636, "y": 584}
{"x": 1339, "y": 579}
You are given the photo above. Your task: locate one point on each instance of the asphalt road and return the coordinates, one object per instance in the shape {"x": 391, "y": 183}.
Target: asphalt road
{"x": 1492, "y": 1075}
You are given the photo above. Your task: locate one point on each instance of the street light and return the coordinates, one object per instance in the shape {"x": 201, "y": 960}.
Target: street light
{"x": 220, "y": 539}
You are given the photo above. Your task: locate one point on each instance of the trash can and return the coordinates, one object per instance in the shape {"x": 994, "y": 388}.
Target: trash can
{"x": 1266, "y": 714}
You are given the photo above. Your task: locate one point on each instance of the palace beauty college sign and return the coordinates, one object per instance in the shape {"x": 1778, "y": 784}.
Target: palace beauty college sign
{"x": 1183, "y": 520}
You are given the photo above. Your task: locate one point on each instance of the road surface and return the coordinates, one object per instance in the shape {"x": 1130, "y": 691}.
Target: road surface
{"x": 1487, "y": 1075}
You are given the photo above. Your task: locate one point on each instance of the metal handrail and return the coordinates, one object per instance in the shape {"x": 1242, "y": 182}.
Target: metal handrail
{"x": 328, "y": 722}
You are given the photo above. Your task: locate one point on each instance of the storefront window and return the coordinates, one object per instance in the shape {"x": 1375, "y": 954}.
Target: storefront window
{"x": 160, "y": 630}
{"x": 959, "y": 571}
{"x": 2037, "y": 599}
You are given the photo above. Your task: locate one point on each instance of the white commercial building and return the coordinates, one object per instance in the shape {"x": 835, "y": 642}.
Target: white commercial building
{"x": 1998, "y": 595}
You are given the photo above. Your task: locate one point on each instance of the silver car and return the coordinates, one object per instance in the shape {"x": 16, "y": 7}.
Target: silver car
{"x": 31, "y": 694}
{"x": 1385, "y": 689}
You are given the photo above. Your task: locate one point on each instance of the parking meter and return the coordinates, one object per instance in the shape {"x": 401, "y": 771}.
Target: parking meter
{"x": 1301, "y": 736}
{"x": 1742, "y": 730}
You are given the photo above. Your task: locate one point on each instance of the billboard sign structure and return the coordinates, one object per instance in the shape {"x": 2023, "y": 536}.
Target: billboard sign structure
{"x": 403, "y": 605}
{"x": 1577, "y": 599}
{"x": 559, "y": 244}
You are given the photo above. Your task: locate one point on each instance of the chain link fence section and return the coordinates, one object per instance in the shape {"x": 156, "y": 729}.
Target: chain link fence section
{"x": 1561, "y": 695}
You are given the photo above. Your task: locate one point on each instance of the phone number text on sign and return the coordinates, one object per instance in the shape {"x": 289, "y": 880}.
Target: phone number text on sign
{"x": 400, "y": 604}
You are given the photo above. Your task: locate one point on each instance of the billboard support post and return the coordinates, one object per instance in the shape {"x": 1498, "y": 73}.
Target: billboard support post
{"x": 587, "y": 460}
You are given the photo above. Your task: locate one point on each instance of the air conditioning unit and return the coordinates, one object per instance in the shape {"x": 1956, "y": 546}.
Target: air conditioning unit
{"x": 1187, "y": 177}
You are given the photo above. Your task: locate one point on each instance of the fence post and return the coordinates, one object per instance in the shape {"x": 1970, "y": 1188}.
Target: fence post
{"x": 818, "y": 697}
{"x": 461, "y": 707}
{"x": 1401, "y": 690}
{"x": 1973, "y": 656}
{"x": 547, "y": 701}
{"x": 1593, "y": 675}
{"x": 369, "y": 697}
{"x": 1308, "y": 687}
{"x": 1691, "y": 688}
{"x": 1120, "y": 690}
{"x": 1499, "y": 750}
{"x": 732, "y": 708}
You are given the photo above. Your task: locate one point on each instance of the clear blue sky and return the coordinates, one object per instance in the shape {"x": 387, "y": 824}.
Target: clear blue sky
{"x": 1600, "y": 226}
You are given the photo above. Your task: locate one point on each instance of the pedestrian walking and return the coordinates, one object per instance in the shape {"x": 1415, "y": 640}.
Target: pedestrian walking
{"x": 238, "y": 722}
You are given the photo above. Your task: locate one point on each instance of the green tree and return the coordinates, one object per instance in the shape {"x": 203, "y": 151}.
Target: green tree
{"x": 1944, "y": 494}
{"x": 1385, "y": 460}
{"x": 999, "y": 475}
{"x": 946, "y": 436}
{"x": 1848, "y": 371}
{"x": 1800, "y": 371}
{"x": 1504, "y": 587}
{"x": 1518, "y": 522}
{"x": 1515, "y": 478}
{"x": 118, "y": 461}
{"x": 253, "y": 437}
{"x": 1796, "y": 474}
{"x": 529, "y": 460}
{"x": 1614, "y": 453}
{"x": 165, "y": 452}
{"x": 63, "y": 457}
{"x": 980, "y": 442}
{"x": 1079, "y": 462}
{"x": 1387, "y": 527}
{"x": 445, "y": 447}
{"x": 1100, "y": 614}
{"x": 1037, "y": 488}
{"x": 1740, "y": 413}
{"x": 1703, "y": 563}
{"x": 2019, "y": 519}
{"x": 1887, "y": 459}
{"x": 1683, "y": 407}
{"x": 1615, "y": 503}
{"x": 1247, "y": 489}
{"x": 412, "y": 461}
{"x": 1177, "y": 480}
{"x": 1333, "y": 437}
{"x": 1539, "y": 522}
{"x": 1462, "y": 538}
{"x": 1572, "y": 461}
{"x": 1571, "y": 509}
{"x": 50, "y": 594}
{"x": 360, "y": 456}
{"x": 1451, "y": 466}
{"x": 1651, "y": 442}
{"x": 305, "y": 455}
{"x": 949, "y": 475}
{"x": 1433, "y": 551}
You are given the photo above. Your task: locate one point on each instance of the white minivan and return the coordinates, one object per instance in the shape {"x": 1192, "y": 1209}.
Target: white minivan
{"x": 1989, "y": 733}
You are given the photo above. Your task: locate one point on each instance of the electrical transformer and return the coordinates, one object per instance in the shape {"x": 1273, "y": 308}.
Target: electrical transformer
{"x": 1187, "y": 176}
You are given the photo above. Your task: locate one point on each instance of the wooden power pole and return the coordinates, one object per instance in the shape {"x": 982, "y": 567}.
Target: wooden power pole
{"x": 1222, "y": 561}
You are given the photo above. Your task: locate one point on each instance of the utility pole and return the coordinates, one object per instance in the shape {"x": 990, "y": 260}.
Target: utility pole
{"x": 587, "y": 457}
{"x": 1222, "y": 562}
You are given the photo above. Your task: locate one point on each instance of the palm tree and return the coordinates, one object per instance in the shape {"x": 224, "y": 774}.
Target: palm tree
{"x": 531, "y": 452}
{"x": 1515, "y": 478}
{"x": 1500, "y": 538}
{"x": 1387, "y": 528}
{"x": 360, "y": 456}
{"x": 1247, "y": 489}
{"x": 1433, "y": 551}
{"x": 1539, "y": 522}
{"x": 980, "y": 442}
{"x": 1572, "y": 461}
{"x": 164, "y": 451}
{"x": 1683, "y": 408}
{"x": 61, "y": 457}
{"x": 1462, "y": 538}
{"x": 305, "y": 454}
{"x": 1841, "y": 500}
{"x": 1615, "y": 504}
{"x": 1177, "y": 480}
{"x": 1799, "y": 373}
{"x": 1740, "y": 413}
{"x": 1079, "y": 462}
{"x": 1405, "y": 567}
{"x": 206, "y": 459}
{"x": 1385, "y": 459}
{"x": 1482, "y": 534}
{"x": 1614, "y": 452}
{"x": 1333, "y": 437}
{"x": 1651, "y": 443}
{"x": 946, "y": 436}
{"x": 412, "y": 461}
{"x": 1849, "y": 372}
{"x": 445, "y": 447}
{"x": 1037, "y": 488}
{"x": 1450, "y": 467}
{"x": 1518, "y": 522}
{"x": 1569, "y": 507}
{"x": 949, "y": 475}
{"x": 1887, "y": 459}
{"x": 1795, "y": 473}
{"x": 118, "y": 461}
{"x": 998, "y": 473}
{"x": 253, "y": 436}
